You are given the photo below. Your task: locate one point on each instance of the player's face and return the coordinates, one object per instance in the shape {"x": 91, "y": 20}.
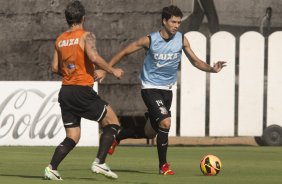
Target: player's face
{"x": 171, "y": 25}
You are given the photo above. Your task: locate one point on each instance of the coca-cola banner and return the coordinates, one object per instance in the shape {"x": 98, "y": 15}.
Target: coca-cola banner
{"x": 30, "y": 115}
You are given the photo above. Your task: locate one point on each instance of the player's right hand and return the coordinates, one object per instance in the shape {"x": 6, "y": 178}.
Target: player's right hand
{"x": 100, "y": 75}
{"x": 218, "y": 66}
{"x": 118, "y": 72}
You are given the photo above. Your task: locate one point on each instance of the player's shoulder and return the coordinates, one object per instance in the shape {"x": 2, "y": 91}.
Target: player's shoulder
{"x": 61, "y": 35}
{"x": 89, "y": 35}
{"x": 154, "y": 34}
{"x": 143, "y": 41}
{"x": 179, "y": 33}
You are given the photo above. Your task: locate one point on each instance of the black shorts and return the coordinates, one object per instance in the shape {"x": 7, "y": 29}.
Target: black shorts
{"x": 158, "y": 102}
{"x": 78, "y": 102}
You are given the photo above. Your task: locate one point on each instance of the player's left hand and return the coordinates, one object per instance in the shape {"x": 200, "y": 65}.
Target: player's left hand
{"x": 218, "y": 66}
{"x": 100, "y": 75}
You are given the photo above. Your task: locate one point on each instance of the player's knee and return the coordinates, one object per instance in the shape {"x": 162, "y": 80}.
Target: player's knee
{"x": 110, "y": 118}
{"x": 165, "y": 123}
{"x": 75, "y": 138}
{"x": 73, "y": 134}
{"x": 165, "y": 126}
{"x": 105, "y": 123}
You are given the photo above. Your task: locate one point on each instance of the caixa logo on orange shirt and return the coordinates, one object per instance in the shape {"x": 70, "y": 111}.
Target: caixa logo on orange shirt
{"x": 30, "y": 113}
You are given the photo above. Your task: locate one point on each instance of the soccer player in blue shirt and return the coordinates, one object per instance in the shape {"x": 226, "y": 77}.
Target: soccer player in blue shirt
{"x": 159, "y": 74}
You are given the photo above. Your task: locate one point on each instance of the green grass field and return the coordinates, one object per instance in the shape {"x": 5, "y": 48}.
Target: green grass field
{"x": 138, "y": 165}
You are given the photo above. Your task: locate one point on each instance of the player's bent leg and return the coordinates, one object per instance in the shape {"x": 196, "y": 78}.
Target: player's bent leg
{"x": 162, "y": 146}
{"x": 110, "y": 123}
{"x": 74, "y": 133}
{"x": 50, "y": 174}
{"x": 106, "y": 140}
{"x": 61, "y": 151}
{"x": 103, "y": 169}
{"x": 110, "y": 118}
{"x": 110, "y": 126}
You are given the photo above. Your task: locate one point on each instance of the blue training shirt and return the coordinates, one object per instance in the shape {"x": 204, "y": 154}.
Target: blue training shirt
{"x": 161, "y": 61}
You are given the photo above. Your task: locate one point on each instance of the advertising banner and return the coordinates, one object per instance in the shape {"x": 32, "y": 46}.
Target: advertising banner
{"x": 30, "y": 115}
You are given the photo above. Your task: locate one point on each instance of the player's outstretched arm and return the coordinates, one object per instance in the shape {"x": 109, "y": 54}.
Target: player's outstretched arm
{"x": 131, "y": 48}
{"x": 198, "y": 63}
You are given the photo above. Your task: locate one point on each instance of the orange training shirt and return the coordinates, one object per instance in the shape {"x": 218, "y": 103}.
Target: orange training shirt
{"x": 74, "y": 65}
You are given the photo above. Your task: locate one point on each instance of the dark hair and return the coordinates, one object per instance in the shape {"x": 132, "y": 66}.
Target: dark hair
{"x": 170, "y": 11}
{"x": 74, "y": 12}
{"x": 268, "y": 10}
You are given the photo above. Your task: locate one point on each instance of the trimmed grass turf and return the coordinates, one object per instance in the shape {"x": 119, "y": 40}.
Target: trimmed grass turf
{"x": 138, "y": 165}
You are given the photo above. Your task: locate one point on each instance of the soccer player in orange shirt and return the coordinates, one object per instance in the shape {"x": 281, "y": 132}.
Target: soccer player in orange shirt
{"x": 75, "y": 57}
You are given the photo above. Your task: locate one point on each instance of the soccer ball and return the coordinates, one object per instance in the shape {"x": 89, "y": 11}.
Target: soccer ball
{"x": 210, "y": 165}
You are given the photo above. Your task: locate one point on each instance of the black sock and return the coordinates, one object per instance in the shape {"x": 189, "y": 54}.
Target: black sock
{"x": 106, "y": 140}
{"x": 61, "y": 152}
{"x": 162, "y": 144}
{"x": 125, "y": 133}
{"x": 130, "y": 132}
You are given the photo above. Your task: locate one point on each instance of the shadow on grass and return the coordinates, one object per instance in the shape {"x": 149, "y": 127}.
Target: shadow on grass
{"x": 42, "y": 178}
{"x": 114, "y": 170}
{"x": 88, "y": 179}
{"x": 22, "y": 176}
{"x": 132, "y": 171}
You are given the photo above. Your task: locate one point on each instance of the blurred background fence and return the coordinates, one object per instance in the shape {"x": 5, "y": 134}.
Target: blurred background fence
{"x": 243, "y": 98}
